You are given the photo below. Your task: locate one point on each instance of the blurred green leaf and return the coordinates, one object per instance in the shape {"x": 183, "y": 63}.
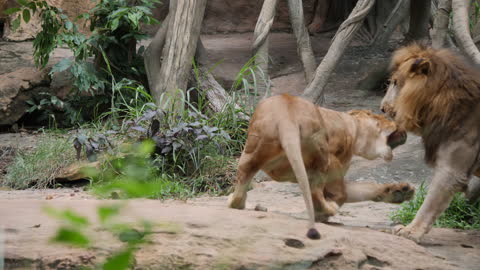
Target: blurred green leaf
{"x": 119, "y": 261}
{"x": 68, "y": 216}
{"x": 107, "y": 212}
{"x": 71, "y": 237}
{"x": 10, "y": 11}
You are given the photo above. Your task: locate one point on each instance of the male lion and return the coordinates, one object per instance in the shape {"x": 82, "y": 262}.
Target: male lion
{"x": 291, "y": 139}
{"x": 436, "y": 94}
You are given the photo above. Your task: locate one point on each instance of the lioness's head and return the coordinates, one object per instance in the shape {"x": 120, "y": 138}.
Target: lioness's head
{"x": 376, "y": 135}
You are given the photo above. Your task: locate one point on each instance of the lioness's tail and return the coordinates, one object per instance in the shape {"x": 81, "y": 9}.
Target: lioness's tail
{"x": 290, "y": 141}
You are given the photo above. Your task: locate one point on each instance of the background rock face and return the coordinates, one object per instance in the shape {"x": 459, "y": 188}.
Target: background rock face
{"x": 221, "y": 16}
{"x": 26, "y": 31}
{"x": 237, "y": 16}
{"x": 16, "y": 88}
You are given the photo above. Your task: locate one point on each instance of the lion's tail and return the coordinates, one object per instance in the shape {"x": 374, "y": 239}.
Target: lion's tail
{"x": 290, "y": 141}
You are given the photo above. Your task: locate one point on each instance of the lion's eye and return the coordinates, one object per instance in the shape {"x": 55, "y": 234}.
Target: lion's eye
{"x": 395, "y": 82}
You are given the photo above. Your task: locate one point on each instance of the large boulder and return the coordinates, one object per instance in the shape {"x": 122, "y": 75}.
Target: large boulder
{"x": 16, "y": 88}
{"x": 186, "y": 236}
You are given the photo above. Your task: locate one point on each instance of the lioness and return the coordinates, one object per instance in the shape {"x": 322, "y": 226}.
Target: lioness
{"x": 291, "y": 139}
{"x": 436, "y": 94}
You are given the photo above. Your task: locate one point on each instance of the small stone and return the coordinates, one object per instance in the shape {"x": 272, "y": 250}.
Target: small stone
{"x": 294, "y": 243}
{"x": 260, "y": 208}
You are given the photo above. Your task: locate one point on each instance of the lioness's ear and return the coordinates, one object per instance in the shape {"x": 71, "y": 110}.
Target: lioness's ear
{"x": 420, "y": 66}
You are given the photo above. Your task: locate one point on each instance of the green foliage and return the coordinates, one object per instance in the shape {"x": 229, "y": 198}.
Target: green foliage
{"x": 112, "y": 44}
{"x": 75, "y": 228}
{"x": 133, "y": 175}
{"x": 38, "y": 167}
{"x": 460, "y": 214}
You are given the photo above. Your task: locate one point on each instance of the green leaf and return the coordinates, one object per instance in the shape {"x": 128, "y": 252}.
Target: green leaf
{"x": 106, "y": 212}
{"x": 114, "y": 24}
{"x": 22, "y": 2}
{"x": 68, "y": 216}
{"x": 119, "y": 261}
{"x": 16, "y": 23}
{"x": 32, "y": 6}
{"x": 130, "y": 235}
{"x": 10, "y": 11}
{"x": 61, "y": 66}
{"x": 71, "y": 237}
{"x": 26, "y": 15}
{"x": 68, "y": 25}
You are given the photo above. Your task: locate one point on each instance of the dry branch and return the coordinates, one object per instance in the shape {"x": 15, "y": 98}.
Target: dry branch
{"x": 153, "y": 55}
{"x": 260, "y": 44}
{"x": 315, "y": 90}
{"x": 462, "y": 30}
{"x": 398, "y": 14}
{"x": 304, "y": 47}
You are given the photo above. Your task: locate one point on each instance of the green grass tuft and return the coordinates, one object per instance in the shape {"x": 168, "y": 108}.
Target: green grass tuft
{"x": 460, "y": 214}
{"x": 37, "y": 168}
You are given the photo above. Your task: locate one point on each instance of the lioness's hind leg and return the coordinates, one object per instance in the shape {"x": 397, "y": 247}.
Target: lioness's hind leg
{"x": 323, "y": 208}
{"x": 245, "y": 173}
{"x": 371, "y": 191}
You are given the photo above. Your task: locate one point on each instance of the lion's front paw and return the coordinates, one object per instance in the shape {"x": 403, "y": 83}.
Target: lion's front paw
{"x": 408, "y": 232}
{"x": 398, "y": 193}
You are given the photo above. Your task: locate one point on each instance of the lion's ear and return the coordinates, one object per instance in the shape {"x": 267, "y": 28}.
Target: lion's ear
{"x": 420, "y": 66}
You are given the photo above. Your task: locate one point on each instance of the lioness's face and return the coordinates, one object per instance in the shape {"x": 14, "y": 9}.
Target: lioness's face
{"x": 376, "y": 136}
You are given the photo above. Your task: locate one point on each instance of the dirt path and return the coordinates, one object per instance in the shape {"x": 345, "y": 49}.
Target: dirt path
{"x": 258, "y": 237}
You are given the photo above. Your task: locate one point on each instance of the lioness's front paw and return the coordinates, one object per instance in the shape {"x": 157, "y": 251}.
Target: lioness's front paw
{"x": 398, "y": 193}
{"x": 237, "y": 203}
{"x": 408, "y": 232}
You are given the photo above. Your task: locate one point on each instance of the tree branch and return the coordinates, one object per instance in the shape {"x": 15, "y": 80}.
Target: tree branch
{"x": 462, "y": 30}
{"x": 315, "y": 90}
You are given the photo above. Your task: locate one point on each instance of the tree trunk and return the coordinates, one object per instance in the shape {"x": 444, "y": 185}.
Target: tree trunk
{"x": 462, "y": 30}
{"x": 153, "y": 55}
{"x": 260, "y": 44}
{"x": 419, "y": 19}
{"x": 304, "y": 47}
{"x": 398, "y": 14}
{"x": 440, "y": 24}
{"x": 314, "y": 91}
{"x": 183, "y": 31}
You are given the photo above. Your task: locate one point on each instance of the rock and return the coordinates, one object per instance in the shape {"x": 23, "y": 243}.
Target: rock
{"x": 72, "y": 8}
{"x": 16, "y": 88}
{"x": 196, "y": 237}
{"x": 235, "y": 16}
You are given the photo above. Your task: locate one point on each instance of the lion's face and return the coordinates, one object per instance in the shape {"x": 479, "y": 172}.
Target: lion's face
{"x": 377, "y": 136}
{"x": 409, "y": 70}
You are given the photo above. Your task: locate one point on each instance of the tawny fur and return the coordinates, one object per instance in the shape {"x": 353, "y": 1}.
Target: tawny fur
{"x": 435, "y": 104}
{"x": 436, "y": 94}
{"x": 293, "y": 140}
